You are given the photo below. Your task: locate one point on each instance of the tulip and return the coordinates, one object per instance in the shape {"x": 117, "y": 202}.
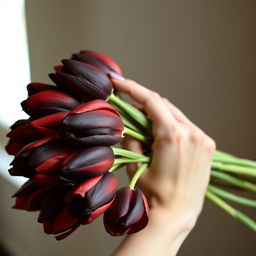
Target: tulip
{"x": 96, "y": 59}
{"x": 55, "y": 216}
{"x": 48, "y": 102}
{"x": 92, "y": 197}
{"x": 127, "y": 214}
{"x": 88, "y": 162}
{"x": 82, "y": 80}
{"x": 93, "y": 123}
{"x": 43, "y": 156}
{"x": 24, "y": 132}
{"x": 32, "y": 193}
{"x": 33, "y": 88}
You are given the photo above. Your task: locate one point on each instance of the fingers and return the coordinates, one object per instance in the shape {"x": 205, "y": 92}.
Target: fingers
{"x": 150, "y": 100}
{"x": 133, "y": 145}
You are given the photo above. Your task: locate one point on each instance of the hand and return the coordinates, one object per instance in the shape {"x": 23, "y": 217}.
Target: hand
{"x": 179, "y": 173}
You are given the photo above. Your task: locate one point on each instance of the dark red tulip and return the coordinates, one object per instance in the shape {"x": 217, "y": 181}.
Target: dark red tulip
{"x": 48, "y": 102}
{"x": 43, "y": 156}
{"x": 108, "y": 61}
{"x": 92, "y": 197}
{"x": 127, "y": 214}
{"x": 88, "y": 162}
{"x": 55, "y": 216}
{"x": 26, "y": 131}
{"x": 39, "y": 87}
{"x": 32, "y": 193}
{"x": 82, "y": 80}
{"x": 93, "y": 123}
{"x": 102, "y": 62}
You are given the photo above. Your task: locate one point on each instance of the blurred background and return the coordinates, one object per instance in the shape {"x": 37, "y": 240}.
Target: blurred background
{"x": 199, "y": 54}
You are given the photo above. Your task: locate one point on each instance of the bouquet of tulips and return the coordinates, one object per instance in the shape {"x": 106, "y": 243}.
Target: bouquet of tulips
{"x": 66, "y": 150}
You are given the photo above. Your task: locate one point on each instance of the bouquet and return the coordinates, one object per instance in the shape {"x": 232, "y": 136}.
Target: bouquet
{"x": 66, "y": 149}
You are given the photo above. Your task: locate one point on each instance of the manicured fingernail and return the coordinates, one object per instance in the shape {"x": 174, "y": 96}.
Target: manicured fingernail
{"x": 116, "y": 76}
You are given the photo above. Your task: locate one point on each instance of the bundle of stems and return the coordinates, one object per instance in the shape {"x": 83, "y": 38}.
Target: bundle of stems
{"x": 226, "y": 169}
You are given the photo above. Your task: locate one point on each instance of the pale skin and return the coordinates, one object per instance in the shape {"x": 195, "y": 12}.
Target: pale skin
{"x": 178, "y": 176}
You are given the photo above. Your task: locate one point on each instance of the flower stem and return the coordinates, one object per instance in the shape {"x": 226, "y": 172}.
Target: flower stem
{"x": 126, "y": 153}
{"x": 128, "y": 122}
{"x": 234, "y": 180}
{"x": 115, "y": 167}
{"x": 137, "y": 174}
{"x": 232, "y": 197}
{"x": 136, "y": 135}
{"x": 234, "y": 168}
{"x": 229, "y": 159}
{"x": 231, "y": 210}
{"x": 129, "y": 160}
{"x": 131, "y": 110}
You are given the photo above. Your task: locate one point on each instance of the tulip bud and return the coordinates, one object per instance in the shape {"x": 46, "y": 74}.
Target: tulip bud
{"x": 33, "y": 88}
{"x": 48, "y": 102}
{"x": 127, "y": 214}
{"x": 84, "y": 81}
{"x": 44, "y": 155}
{"x": 105, "y": 59}
{"x": 24, "y": 132}
{"x": 55, "y": 216}
{"x": 92, "y": 197}
{"x": 32, "y": 193}
{"x": 96, "y": 61}
{"x": 93, "y": 123}
{"x": 88, "y": 162}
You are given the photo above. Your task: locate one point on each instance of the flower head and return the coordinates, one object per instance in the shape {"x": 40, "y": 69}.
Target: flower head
{"x": 82, "y": 80}
{"x": 92, "y": 197}
{"x": 48, "y": 102}
{"x": 93, "y": 123}
{"x": 127, "y": 214}
{"x": 87, "y": 162}
{"x": 43, "y": 156}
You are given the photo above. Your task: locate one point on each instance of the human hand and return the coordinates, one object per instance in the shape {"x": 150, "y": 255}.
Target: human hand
{"x": 179, "y": 173}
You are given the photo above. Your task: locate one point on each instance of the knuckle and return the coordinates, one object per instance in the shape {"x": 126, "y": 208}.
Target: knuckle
{"x": 167, "y": 135}
{"x": 153, "y": 94}
{"x": 197, "y": 135}
{"x": 210, "y": 144}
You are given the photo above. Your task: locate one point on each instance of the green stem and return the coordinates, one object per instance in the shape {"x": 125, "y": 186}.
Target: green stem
{"x": 234, "y": 180}
{"x": 132, "y": 111}
{"x": 128, "y": 122}
{"x": 226, "y": 158}
{"x": 231, "y": 210}
{"x": 137, "y": 174}
{"x": 115, "y": 167}
{"x": 129, "y": 160}
{"x": 234, "y": 169}
{"x": 232, "y": 197}
{"x": 126, "y": 153}
{"x": 136, "y": 135}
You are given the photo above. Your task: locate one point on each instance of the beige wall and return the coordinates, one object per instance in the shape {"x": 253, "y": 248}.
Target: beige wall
{"x": 199, "y": 54}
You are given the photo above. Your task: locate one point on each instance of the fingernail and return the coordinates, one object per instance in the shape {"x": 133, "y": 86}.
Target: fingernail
{"x": 116, "y": 76}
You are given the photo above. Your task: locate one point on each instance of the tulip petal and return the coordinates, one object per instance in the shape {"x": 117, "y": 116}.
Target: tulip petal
{"x": 95, "y": 214}
{"x": 93, "y": 60}
{"x": 111, "y": 63}
{"x": 21, "y": 203}
{"x": 39, "y": 87}
{"x": 92, "y": 161}
{"x": 48, "y": 102}
{"x": 53, "y": 204}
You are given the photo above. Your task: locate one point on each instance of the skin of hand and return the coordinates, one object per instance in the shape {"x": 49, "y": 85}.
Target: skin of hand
{"x": 177, "y": 178}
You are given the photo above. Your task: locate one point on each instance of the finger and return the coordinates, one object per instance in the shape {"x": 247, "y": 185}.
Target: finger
{"x": 133, "y": 145}
{"x": 178, "y": 114}
{"x": 150, "y": 100}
